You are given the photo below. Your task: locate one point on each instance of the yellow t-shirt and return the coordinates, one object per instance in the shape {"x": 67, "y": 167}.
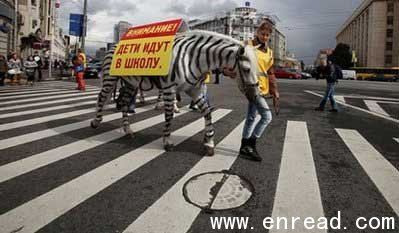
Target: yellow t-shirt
{"x": 265, "y": 62}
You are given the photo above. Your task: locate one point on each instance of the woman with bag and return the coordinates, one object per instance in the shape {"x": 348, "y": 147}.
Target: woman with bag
{"x": 267, "y": 85}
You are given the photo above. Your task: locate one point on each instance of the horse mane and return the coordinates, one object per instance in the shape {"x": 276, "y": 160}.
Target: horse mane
{"x": 214, "y": 34}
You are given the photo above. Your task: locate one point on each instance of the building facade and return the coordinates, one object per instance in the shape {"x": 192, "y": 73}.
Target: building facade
{"x": 120, "y": 29}
{"x": 7, "y": 13}
{"x": 241, "y": 24}
{"x": 372, "y": 32}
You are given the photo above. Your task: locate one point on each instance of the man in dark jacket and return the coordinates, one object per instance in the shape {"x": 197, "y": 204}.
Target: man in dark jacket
{"x": 327, "y": 70}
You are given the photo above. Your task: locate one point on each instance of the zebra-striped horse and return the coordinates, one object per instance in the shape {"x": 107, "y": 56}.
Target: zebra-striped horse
{"x": 193, "y": 54}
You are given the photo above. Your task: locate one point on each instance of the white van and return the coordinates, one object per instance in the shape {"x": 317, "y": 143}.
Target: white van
{"x": 349, "y": 74}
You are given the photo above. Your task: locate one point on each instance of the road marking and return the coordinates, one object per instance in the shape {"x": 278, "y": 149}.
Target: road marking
{"x": 33, "y": 162}
{"x": 373, "y": 106}
{"x": 367, "y": 97}
{"x": 53, "y": 93}
{"x": 340, "y": 98}
{"x": 77, "y": 93}
{"x": 13, "y": 114}
{"x": 171, "y": 213}
{"x": 39, "y": 120}
{"x": 30, "y": 137}
{"x": 54, "y": 108}
{"x": 357, "y": 108}
{"x": 382, "y": 173}
{"x": 32, "y": 91}
{"x": 49, "y": 102}
{"x": 37, "y": 213}
{"x": 298, "y": 193}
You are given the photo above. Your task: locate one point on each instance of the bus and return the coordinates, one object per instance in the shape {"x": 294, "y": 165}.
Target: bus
{"x": 377, "y": 73}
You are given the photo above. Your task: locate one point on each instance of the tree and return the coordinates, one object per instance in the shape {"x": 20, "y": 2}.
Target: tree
{"x": 342, "y": 56}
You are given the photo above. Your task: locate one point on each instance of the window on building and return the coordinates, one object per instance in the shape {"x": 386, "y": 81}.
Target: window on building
{"x": 34, "y": 23}
{"x": 23, "y": 2}
{"x": 390, "y": 20}
{"x": 388, "y": 59}
{"x": 390, "y": 7}
{"x": 33, "y": 2}
{"x": 388, "y": 46}
{"x": 389, "y": 32}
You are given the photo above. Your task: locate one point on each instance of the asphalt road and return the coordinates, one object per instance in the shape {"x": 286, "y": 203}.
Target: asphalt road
{"x": 59, "y": 175}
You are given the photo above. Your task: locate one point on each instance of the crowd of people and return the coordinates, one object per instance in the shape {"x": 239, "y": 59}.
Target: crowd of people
{"x": 25, "y": 71}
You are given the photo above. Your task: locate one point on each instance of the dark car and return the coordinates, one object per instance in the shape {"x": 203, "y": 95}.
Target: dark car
{"x": 287, "y": 74}
{"x": 92, "y": 70}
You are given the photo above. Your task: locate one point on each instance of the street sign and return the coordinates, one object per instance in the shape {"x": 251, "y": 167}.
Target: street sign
{"x": 75, "y": 24}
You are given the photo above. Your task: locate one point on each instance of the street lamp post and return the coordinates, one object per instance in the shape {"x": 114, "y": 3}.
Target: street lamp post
{"x": 15, "y": 25}
{"x": 84, "y": 24}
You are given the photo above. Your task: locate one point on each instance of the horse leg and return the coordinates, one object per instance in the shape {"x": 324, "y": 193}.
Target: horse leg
{"x": 168, "y": 98}
{"x": 108, "y": 86}
{"x": 199, "y": 100}
{"x": 130, "y": 92}
{"x": 160, "y": 103}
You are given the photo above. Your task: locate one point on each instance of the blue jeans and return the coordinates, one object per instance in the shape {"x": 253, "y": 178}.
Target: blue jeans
{"x": 250, "y": 129}
{"x": 329, "y": 95}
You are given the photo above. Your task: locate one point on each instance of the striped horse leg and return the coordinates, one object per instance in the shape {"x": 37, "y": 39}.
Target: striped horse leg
{"x": 199, "y": 100}
{"x": 168, "y": 98}
{"x": 160, "y": 103}
{"x": 130, "y": 92}
{"x": 109, "y": 84}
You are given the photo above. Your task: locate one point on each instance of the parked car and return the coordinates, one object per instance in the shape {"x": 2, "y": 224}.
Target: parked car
{"x": 349, "y": 74}
{"x": 305, "y": 75}
{"x": 92, "y": 70}
{"x": 280, "y": 73}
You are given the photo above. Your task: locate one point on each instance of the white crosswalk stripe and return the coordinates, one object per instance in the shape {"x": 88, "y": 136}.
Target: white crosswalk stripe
{"x": 56, "y": 92}
{"x": 298, "y": 193}
{"x": 298, "y": 190}
{"x": 381, "y": 172}
{"x": 85, "y": 97}
{"x": 60, "y": 200}
{"x": 76, "y": 94}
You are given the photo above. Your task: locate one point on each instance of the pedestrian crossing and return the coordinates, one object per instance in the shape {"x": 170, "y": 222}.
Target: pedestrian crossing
{"x": 387, "y": 108}
{"x": 299, "y": 190}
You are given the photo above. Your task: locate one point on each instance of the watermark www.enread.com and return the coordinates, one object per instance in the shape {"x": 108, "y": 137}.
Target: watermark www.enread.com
{"x": 292, "y": 223}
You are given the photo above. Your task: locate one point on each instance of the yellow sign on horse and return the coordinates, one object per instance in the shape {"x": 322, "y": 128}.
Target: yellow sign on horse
{"x": 145, "y": 50}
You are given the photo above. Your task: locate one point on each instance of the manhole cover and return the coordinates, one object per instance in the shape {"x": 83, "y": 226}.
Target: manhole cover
{"x": 217, "y": 190}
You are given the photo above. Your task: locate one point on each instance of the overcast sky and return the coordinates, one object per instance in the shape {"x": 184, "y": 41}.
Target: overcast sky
{"x": 309, "y": 25}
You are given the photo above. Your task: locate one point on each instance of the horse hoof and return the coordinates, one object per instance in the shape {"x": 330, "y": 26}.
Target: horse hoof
{"x": 94, "y": 124}
{"x": 209, "y": 151}
{"x": 168, "y": 147}
{"x": 128, "y": 131}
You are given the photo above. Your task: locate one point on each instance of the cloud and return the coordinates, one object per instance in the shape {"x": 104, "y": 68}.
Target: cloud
{"x": 308, "y": 25}
{"x": 199, "y": 8}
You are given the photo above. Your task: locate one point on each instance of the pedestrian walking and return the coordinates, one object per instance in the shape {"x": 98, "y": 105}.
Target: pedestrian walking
{"x": 30, "y": 68}
{"x": 15, "y": 69}
{"x": 79, "y": 73}
{"x": 39, "y": 62}
{"x": 253, "y": 130}
{"x": 3, "y": 69}
{"x": 328, "y": 71}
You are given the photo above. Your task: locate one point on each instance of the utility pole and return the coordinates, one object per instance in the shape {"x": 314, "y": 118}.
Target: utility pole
{"x": 84, "y": 24}
{"x": 15, "y": 25}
